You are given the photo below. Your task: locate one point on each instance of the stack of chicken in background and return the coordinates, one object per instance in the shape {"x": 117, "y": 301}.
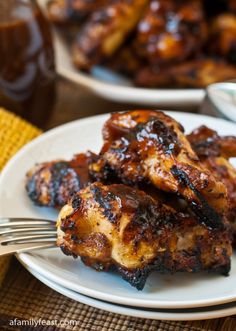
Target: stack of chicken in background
{"x": 155, "y": 43}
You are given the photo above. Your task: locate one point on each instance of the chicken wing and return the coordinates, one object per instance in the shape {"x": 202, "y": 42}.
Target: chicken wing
{"x": 149, "y": 146}
{"x": 214, "y": 152}
{"x": 171, "y": 31}
{"x": 196, "y": 73}
{"x": 118, "y": 226}
{"x": 105, "y": 31}
{"x": 51, "y": 184}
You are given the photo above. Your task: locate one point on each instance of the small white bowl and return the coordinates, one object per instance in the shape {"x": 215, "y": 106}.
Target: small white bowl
{"x": 223, "y": 98}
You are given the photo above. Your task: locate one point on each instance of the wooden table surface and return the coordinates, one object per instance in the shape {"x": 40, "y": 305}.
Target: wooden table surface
{"x": 74, "y": 102}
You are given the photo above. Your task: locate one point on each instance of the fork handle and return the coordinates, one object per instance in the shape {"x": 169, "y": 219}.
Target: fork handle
{"x": 20, "y": 248}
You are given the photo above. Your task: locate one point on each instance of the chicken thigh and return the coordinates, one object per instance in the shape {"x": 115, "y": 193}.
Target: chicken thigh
{"x": 150, "y": 147}
{"x": 119, "y": 226}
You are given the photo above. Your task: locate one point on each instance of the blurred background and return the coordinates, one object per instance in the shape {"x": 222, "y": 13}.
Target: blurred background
{"x": 61, "y": 60}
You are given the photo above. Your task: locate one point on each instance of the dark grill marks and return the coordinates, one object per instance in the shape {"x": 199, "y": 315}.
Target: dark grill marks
{"x": 31, "y": 188}
{"x": 137, "y": 277}
{"x": 76, "y": 201}
{"x": 208, "y": 147}
{"x": 205, "y": 141}
{"x": 65, "y": 250}
{"x": 105, "y": 200}
{"x": 151, "y": 216}
{"x": 67, "y": 224}
{"x": 205, "y": 213}
{"x": 186, "y": 261}
{"x": 147, "y": 222}
{"x": 59, "y": 173}
{"x": 51, "y": 184}
{"x": 192, "y": 260}
{"x": 105, "y": 175}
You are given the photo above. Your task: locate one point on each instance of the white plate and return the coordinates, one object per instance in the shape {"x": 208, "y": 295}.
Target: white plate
{"x": 113, "y": 87}
{"x": 183, "y": 315}
{"x": 178, "y": 291}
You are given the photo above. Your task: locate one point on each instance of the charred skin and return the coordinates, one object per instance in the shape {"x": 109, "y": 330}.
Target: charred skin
{"x": 207, "y": 143}
{"x": 150, "y": 147}
{"x": 171, "y": 31}
{"x": 106, "y": 31}
{"x": 118, "y": 226}
{"x": 197, "y": 73}
{"x": 214, "y": 152}
{"x": 51, "y": 184}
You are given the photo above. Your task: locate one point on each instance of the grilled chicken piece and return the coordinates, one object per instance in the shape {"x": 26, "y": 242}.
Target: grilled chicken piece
{"x": 149, "y": 146}
{"x": 171, "y": 31}
{"x": 51, "y": 184}
{"x": 223, "y": 36}
{"x": 156, "y": 76}
{"x": 126, "y": 60}
{"x": 214, "y": 152}
{"x": 105, "y": 31}
{"x": 118, "y": 226}
{"x": 72, "y": 11}
{"x": 206, "y": 142}
{"x": 197, "y": 73}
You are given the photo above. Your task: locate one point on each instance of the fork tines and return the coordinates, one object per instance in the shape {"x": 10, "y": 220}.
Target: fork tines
{"x": 22, "y": 222}
{"x": 21, "y": 234}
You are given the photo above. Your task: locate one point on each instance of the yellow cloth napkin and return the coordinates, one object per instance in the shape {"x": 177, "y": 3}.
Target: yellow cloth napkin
{"x": 14, "y": 133}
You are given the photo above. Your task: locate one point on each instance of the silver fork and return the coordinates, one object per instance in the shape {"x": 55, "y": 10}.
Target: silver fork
{"x": 23, "y": 234}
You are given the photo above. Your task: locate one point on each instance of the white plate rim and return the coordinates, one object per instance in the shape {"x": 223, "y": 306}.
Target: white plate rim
{"x": 26, "y": 257}
{"x": 130, "y": 94}
{"x": 129, "y": 311}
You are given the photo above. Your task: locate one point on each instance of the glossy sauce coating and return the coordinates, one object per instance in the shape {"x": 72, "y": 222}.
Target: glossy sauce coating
{"x": 171, "y": 30}
{"x": 150, "y": 147}
{"x": 122, "y": 227}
